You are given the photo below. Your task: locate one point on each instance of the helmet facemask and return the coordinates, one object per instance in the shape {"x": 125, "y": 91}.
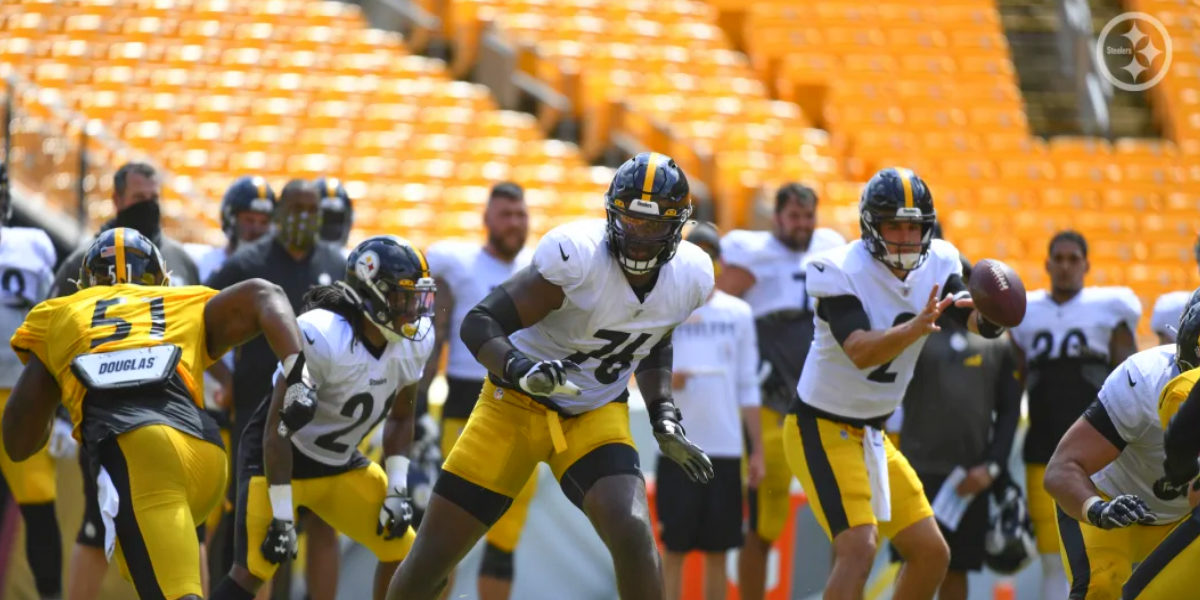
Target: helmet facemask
{"x": 640, "y": 239}
{"x": 897, "y": 255}
{"x": 1187, "y": 340}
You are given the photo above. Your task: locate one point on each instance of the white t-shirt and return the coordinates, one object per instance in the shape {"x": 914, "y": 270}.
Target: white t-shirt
{"x": 26, "y": 273}
{"x": 471, "y": 274}
{"x": 779, "y": 274}
{"x": 830, "y": 381}
{"x": 602, "y": 325}
{"x": 1168, "y": 308}
{"x": 1130, "y": 396}
{"x": 354, "y": 388}
{"x": 716, "y": 347}
{"x": 1080, "y": 326}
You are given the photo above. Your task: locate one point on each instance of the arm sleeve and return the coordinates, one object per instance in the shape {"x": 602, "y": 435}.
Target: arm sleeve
{"x": 953, "y": 285}
{"x": 1007, "y": 410}
{"x": 845, "y": 315}
{"x": 661, "y": 355}
{"x": 1099, "y": 417}
{"x": 749, "y": 393}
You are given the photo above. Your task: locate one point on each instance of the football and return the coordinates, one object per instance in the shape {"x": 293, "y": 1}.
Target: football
{"x": 998, "y": 292}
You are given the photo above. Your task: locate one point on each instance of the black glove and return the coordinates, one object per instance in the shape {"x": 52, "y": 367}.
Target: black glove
{"x": 664, "y": 419}
{"x": 1122, "y": 511}
{"x": 299, "y": 400}
{"x": 395, "y": 516}
{"x": 541, "y": 378}
{"x": 280, "y": 543}
{"x": 1179, "y": 474}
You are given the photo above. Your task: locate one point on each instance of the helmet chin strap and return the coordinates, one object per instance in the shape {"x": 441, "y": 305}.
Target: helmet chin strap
{"x": 388, "y": 333}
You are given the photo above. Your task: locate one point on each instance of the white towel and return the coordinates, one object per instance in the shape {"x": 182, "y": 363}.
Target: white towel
{"x": 110, "y": 502}
{"x": 875, "y": 455}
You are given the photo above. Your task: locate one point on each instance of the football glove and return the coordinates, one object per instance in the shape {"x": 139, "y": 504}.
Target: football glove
{"x": 664, "y": 420}
{"x": 543, "y": 378}
{"x": 1179, "y": 474}
{"x": 1122, "y": 511}
{"x": 280, "y": 544}
{"x": 397, "y": 512}
{"x": 62, "y": 444}
{"x": 300, "y": 397}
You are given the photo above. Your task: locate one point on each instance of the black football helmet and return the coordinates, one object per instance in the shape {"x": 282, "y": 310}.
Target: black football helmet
{"x": 1187, "y": 335}
{"x": 647, "y": 203}
{"x": 896, "y": 194}
{"x": 337, "y": 211}
{"x": 122, "y": 255}
{"x": 388, "y": 278}
{"x": 246, "y": 193}
{"x": 1008, "y": 545}
{"x": 5, "y": 196}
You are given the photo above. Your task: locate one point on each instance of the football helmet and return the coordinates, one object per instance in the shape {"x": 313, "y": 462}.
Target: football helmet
{"x": 388, "y": 279}
{"x": 1187, "y": 335}
{"x": 896, "y": 194}
{"x": 647, "y": 203}
{"x": 337, "y": 211}
{"x": 1008, "y": 545}
{"x": 246, "y": 193}
{"x": 122, "y": 255}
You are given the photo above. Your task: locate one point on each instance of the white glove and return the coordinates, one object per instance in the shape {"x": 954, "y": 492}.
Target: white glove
{"x": 543, "y": 378}
{"x": 62, "y": 444}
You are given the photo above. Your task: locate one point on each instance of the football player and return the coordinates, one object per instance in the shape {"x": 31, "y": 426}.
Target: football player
{"x": 1102, "y": 477}
{"x": 1168, "y": 308}
{"x": 465, "y": 273}
{"x": 1070, "y": 340}
{"x": 367, "y": 346}
{"x": 246, "y": 210}
{"x": 877, "y": 299}
{"x": 125, "y": 355}
{"x": 560, "y": 341}
{"x": 26, "y": 272}
{"x": 337, "y": 211}
{"x": 765, "y": 268}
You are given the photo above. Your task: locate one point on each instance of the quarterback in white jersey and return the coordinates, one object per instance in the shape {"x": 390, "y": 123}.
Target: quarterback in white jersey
{"x": 465, "y": 274}
{"x": 367, "y": 343}
{"x": 1102, "y": 477}
{"x": 877, "y": 298}
{"x": 26, "y": 273}
{"x": 561, "y": 341}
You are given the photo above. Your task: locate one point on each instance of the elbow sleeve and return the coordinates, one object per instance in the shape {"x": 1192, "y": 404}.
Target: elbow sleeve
{"x": 845, "y": 315}
{"x": 495, "y": 316}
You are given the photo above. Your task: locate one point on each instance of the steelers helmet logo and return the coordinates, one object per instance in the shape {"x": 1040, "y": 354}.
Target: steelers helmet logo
{"x": 367, "y": 265}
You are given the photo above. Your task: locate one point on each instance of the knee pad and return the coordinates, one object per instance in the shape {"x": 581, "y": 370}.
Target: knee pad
{"x": 496, "y": 563}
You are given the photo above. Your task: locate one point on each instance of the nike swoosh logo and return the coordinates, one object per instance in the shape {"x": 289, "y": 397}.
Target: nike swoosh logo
{"x": 820, "y": 267}
{"x": 1132, "y": 383}
{"x": 562, "y": 254}
{"x": 311, "y": 342}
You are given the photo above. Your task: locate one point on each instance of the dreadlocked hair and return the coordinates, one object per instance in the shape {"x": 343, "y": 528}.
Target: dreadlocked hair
{"x": 334, "y": 299}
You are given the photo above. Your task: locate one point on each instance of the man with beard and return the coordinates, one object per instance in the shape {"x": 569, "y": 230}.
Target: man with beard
{"x": 136, "y": 191}
{"x": 764, "y": 269}
{"x": 295, "y": 260}
{"x": 465, "y": 273}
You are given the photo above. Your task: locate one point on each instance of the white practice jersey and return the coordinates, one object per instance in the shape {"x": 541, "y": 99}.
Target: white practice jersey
{"x": 1078, "y": 328}
{"x": 717, "y": 348}
{"x": 354, "y": 388}
{"x": 26, "y": 273}
{"x": 778, "y": 271}
{"x": 601, "y": 324}
{"x": 830, "y": 381}
{"x": 1130, "y": 397}
{"x": 207, "y": 258}
{"x": 471, "y": 273}
{"x": 1167, "y": 310}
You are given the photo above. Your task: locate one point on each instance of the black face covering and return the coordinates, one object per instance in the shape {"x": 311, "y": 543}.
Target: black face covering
{"x": 145, "y": 217}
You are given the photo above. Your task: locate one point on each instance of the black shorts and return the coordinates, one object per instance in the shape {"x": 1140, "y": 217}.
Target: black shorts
{"x": 697, "y": 516}
{"x": 965, "y": 542}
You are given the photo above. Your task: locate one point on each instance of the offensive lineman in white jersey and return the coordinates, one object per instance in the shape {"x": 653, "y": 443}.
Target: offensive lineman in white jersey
{"x": 1071, "y": 339}
{"x": 765, "y": 268}
{"x": 1168, "y": 309}
{"x": 560, "y": 341}
{"x": 1102, "y": 477}
{"x": 465, "y": 274}
{"x": 367, "y": 344}
{"x": 26, "y": 273}
{"x": 877, "y": 298}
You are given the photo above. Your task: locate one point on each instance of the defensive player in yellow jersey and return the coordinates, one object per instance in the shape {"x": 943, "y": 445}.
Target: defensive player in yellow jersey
{"x": 125, "y": 355}
{"x": 1170, "y": 571}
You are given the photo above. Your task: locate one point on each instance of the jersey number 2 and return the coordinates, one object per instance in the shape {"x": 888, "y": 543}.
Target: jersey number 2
{"x": 881, "y": 374}
{"x": 612, "y": 361}
{"x": 330, "y": 441}
{"x": 100, "y": 318}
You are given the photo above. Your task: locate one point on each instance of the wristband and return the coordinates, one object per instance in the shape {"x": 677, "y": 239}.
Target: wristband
{"x": 281, "y": 501}
{"x": 516, "y": 365}
{"x": 397, "y": 472}
{"x": 1087, "y": 506}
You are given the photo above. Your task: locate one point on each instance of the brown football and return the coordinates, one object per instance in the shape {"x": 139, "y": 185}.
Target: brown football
{"x": 998, "y": 292}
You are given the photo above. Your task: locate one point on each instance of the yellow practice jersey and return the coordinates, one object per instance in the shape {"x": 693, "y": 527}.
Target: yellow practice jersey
{"x": 1173, "y": 395}
{"x": 107, "y": 319}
